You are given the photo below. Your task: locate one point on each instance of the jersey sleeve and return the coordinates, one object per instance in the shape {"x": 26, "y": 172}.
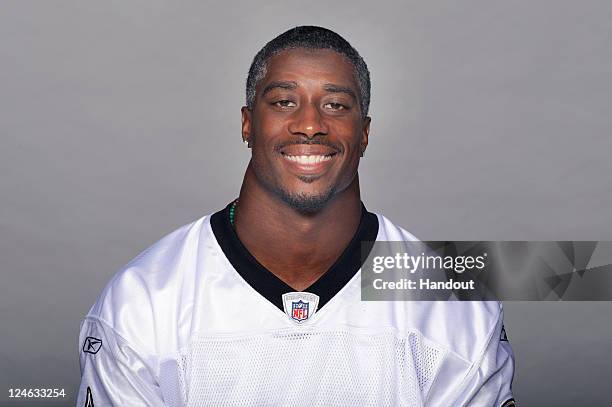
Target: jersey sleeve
{"x": 113, "y": 371}
{"x": 490, "y": 382}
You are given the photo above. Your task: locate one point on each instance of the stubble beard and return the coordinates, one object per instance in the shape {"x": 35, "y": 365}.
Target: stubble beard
{"x": 308, "y": 204}
{"x": 305, "y": 203}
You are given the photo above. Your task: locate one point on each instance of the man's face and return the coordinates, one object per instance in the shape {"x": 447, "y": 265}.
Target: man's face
{"x": 306, "y": 128}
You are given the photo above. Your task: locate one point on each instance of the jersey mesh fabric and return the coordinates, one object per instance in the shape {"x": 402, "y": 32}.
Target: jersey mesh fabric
{"x": 308, "y": 367}
{"x": 426, "y": 360}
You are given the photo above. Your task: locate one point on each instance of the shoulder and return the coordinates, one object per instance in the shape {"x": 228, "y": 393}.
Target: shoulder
{"x": 464, "y": 327}
{"x": 389, "y": 231}
{"x": 139, "y": 298}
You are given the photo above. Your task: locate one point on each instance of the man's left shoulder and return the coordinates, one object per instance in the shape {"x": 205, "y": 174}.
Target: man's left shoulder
{"x": 452, "y": 323}
{"x": 389, "y": 231}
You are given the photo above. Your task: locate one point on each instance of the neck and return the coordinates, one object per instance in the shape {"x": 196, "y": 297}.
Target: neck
{"x": 298, "y": 248}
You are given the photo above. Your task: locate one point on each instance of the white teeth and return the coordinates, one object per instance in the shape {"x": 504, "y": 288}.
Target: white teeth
{"x": 308, "y": 159}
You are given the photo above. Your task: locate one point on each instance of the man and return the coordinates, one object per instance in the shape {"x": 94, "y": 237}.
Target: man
{"x": 259, "y": 304}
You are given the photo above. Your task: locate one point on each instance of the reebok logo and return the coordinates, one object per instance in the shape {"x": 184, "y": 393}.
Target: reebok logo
{"x": 92, "y": 345}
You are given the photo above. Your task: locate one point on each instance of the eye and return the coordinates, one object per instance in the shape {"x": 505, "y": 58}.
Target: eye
{"x": 334, "y": 106}
{"x": 284, "y": 103}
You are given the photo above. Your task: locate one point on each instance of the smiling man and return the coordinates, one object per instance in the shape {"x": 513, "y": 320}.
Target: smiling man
{"x": 259, "y": 304}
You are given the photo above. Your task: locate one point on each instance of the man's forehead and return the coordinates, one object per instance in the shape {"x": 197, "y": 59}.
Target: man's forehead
{"x": 324, "y": 65}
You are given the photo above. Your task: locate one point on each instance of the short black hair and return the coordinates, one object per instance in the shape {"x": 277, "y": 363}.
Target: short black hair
{"x": 309, "y": 37}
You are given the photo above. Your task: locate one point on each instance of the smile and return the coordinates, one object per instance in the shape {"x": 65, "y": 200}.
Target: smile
{"x": 308, "y": 159}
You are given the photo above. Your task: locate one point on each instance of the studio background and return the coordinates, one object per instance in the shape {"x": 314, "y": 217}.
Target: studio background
{"x": 120, "y": 122}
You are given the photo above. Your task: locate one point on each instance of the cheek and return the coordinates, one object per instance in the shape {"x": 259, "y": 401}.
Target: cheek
{"x": 273, "y": 127}
{"x": 263, "y": 136}
{"x": 268, "y": 125}
{"x": 352, "y": 152}
{"x": 351, "y": 142}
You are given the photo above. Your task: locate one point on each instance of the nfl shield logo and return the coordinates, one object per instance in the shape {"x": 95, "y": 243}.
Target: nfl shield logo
{"x": 300, "y": 306}
{"x": 299, "y": 310}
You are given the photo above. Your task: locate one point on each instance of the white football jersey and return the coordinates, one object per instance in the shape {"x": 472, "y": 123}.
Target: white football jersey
{"x": 195, "y": 320}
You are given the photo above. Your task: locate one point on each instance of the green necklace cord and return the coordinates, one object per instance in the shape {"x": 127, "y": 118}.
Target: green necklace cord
{"x": 232, "y": 212}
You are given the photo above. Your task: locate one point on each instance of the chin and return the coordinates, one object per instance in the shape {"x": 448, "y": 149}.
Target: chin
{"x": 306, "y": 202}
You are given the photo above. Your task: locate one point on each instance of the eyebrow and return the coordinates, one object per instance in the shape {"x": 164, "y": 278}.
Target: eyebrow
{"x": 330, "y": 87}
{"x": 279, "y": 84}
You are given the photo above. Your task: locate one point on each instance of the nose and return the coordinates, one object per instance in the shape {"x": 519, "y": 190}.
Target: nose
{"x": 308, "y": 121}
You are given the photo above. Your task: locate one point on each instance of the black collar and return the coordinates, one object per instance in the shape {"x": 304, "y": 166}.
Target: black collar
{"x": 270, "y": 286}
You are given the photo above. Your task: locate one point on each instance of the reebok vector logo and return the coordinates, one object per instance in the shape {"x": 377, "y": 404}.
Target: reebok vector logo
{"x": 92, "y": 345}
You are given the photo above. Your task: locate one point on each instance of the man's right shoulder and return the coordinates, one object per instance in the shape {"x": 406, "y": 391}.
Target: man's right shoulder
{"x": 140, "y": 291}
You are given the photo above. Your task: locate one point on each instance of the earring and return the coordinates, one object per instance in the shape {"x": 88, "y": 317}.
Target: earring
{"x": 246, "y": 143}
{"x": 362, "y": 152}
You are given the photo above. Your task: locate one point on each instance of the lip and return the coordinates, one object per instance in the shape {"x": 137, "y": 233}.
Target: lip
{"x": 305, "y": 159}
{"x": 308, "y": 150}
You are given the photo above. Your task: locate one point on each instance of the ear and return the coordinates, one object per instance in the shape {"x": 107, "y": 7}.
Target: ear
{"x": 246, "y": 123}
{"x": 365, "y": 132}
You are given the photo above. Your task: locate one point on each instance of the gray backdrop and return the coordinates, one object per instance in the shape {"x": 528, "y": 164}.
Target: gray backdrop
{"x": 120, "y": 121}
